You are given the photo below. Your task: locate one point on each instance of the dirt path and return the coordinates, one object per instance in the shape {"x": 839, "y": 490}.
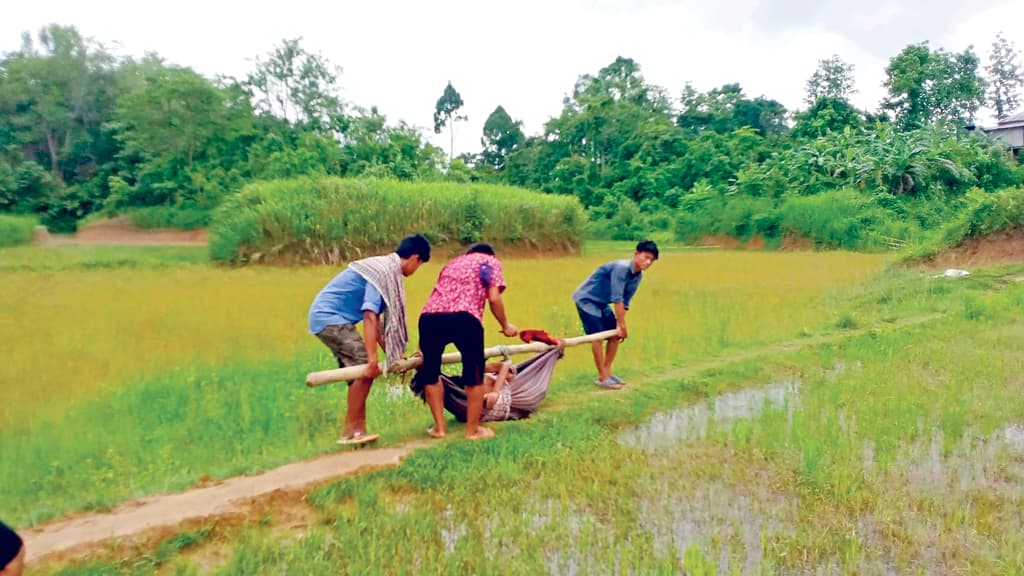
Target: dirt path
{"x": 77, "y": 535}
{"x": 224, "y": 498}
{"x": 122, "y": 232}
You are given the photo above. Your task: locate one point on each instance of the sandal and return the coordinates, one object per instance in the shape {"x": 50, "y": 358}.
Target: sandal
{"x": 358, "y": 439}
{"x": 610, "y": 384}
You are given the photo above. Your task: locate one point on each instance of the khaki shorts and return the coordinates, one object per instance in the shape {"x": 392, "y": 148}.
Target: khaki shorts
{"x": 346, "y": 344}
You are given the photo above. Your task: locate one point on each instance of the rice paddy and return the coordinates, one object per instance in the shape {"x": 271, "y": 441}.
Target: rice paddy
{"x": 872, "y": 450}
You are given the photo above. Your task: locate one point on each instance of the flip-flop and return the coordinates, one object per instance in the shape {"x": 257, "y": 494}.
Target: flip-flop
{"x": 610, "y": 384}
{"x": 618, "y": 380}
{"x": 358, "y": 439}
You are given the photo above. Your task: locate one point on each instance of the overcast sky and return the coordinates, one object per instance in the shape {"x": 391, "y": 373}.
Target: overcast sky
{"x": 526, "y": 55}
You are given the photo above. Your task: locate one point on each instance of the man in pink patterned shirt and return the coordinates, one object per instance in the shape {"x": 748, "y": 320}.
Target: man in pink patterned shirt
{"x": 454, "y": 315}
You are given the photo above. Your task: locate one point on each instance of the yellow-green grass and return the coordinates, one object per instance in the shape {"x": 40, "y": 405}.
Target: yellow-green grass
{"x": 125, "y": 381}
{"x": 80, "y": 333}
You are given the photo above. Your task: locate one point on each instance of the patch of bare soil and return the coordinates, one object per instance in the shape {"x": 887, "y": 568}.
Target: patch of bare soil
{"x": 796, "y": 243}
{"x": 1005, "y": 247}
{"x": 790, "y": 243}
{"x": 731, "y": 243}
{"x": 121, "y": 231}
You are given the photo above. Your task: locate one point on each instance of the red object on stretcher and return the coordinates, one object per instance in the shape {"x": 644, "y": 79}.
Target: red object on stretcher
{"x": 537, "y": 335}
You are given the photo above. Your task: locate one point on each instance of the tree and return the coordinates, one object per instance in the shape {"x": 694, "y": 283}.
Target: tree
{"x": 446, "y": 114}
{"x": 181, "y": 135}
{"x": 927, "y": 87}
{"x": 299, "y": 86}
{"x": 1005, "y": 77}
{"x": 833, "y": 79}
{"x": 501, "y": 137}
{"x": 726, "y": 109}
{"x": 827, "y": 115}
{"x": 372, "y": 147}
{"x": 54, "y": 100}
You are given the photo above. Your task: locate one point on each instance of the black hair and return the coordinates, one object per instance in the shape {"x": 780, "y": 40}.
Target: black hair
{"x": 414, "y": 244}
{"x": 648, "y": 246}
{"x": 480, "y": 248}
{"x": 10, "y": 545}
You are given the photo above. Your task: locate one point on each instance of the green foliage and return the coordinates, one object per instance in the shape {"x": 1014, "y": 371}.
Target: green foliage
{"x": 288, "y": 155}
{"x": 1005, "y": 77}
{"x": 179, "y": 133}
{"x": 25, "y": 187}
{"x": 15, "y": 230}
{"x": 618, "y": 218}
{"x": 298, "y": 87}
{"x": 375, "y": 149}
{"x": 183, "y": 217}
{"x": 84, "y": 131}
{"x": 833, "y": 80}
{"x": 825, "y": 115}
{"x": 333, "y": 220}
{"x": 982, "y": 214}
{"x": 842, "y": 219}
{"x": 502, "y": 135}
{"x": 933, "y": 86}
{"x": 709, "y": 210}
{"x": 727, "y": 109}
{"x": 446, "y": 113}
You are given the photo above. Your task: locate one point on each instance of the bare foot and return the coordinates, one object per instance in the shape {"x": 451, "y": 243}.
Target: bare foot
{"x": 435, "y": 433}
{"x": 480, "y": 434}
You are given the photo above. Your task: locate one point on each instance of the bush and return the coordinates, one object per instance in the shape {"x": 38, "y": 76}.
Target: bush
{"x": 835, "y": 219}
{"x": 982, "y": 214}
{"x": 330, "y": 220}
{"x": 183, "y": 217}
{"x": 15, "y": 230}
{"x": 709, "y": 211}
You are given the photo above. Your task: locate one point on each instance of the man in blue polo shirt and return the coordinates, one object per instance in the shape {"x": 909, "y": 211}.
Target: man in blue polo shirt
{"x": 361, "y": 293}
{"x": 613, "y": 284}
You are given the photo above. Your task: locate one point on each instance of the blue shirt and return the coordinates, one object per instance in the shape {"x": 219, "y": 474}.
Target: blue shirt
{"x": 612, "y": 282}
{"x": 343, "y": 301}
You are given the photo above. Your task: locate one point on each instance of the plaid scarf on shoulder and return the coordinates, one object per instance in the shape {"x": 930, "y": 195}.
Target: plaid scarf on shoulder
{"x": 385, "y": 273}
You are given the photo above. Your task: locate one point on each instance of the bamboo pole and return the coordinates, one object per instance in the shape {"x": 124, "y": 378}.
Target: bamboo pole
{"x": 352, "y": 372}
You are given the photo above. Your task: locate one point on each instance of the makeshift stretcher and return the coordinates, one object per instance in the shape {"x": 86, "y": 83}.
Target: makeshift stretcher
{"x": 538, "y": 345}
{"x": 528, "y": 388}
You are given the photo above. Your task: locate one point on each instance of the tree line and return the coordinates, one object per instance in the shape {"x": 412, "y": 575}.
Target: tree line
{"x": 85, "y": 131}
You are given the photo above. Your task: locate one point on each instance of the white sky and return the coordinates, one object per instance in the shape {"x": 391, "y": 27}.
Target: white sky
{"x": 526, "y": 55}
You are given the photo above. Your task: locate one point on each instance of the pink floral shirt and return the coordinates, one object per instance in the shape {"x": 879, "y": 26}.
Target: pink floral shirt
{"x": 463, "y": 283}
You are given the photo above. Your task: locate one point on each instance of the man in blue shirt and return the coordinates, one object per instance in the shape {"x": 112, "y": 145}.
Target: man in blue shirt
{"x": 613, "y": 284}
{"x": 361, "y": 293}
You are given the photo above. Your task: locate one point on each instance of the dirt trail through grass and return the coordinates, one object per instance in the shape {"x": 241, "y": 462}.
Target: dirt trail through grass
{"x": 79, "y": 534}
{"x": 121, "y": 231}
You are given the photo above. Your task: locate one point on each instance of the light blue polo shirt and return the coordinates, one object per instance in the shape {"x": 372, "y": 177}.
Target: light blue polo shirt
{"x": 343, "y": 301}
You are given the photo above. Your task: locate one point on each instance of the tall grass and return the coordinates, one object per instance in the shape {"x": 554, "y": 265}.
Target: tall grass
{"x": 110, "y": 372}
{"x": 15, "y": 230}
{"x": 332, "y": 220}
